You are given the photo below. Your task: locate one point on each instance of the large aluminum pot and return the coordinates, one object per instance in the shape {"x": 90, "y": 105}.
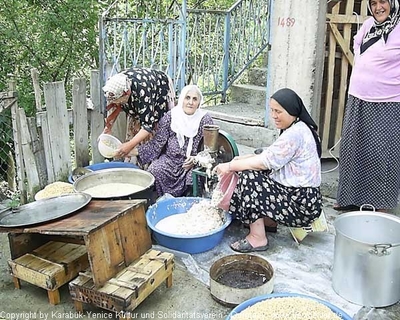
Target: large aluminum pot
{"x": 366, "y": 268}
{"x": 134, "y": 177}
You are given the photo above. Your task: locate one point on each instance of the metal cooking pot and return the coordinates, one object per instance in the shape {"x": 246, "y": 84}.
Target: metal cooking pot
{"x": 132, "y": 176}
{"x": 366, "y": 268}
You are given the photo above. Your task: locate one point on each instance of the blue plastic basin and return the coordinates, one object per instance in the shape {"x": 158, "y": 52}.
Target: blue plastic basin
{"x": 107, "y": 165}
{"x": 252, "y": 301}
{"x": 185, "y": 243}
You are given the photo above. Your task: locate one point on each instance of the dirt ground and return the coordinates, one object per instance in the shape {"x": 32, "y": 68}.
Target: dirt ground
{"x": 305, "y": 269}
{"x": 296, "y": 270}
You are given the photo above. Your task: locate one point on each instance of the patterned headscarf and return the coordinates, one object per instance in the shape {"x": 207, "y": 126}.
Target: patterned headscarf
{"x": 185, "y": 125}
{"x": 382, "y": 29}
{"x": 292, "y": 103}
{"x": 116, "y": 86}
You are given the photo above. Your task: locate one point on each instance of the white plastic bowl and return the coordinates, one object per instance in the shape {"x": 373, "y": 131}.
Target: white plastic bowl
{"x": 108, "y": 145}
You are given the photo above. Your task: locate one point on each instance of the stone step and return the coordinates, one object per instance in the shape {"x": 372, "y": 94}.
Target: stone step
{"x": 257, "y": 77}
{"x": 251, "y": 136}
{"x": 244, "y": 122}
{"x": 250, "y": 94}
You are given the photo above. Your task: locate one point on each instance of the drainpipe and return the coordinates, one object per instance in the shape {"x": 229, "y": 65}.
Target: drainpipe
{"x": 227, "y": 39}
{"x": 269, "y": 65}
{"x": 182, "y": 58}
{"x": 102, "y": 63}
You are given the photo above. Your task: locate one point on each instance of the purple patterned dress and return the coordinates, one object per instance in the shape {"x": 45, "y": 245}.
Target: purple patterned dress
{"x": 166, "y": 157}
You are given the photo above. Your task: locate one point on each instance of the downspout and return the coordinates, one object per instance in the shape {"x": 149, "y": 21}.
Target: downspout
{"x": 269, "y": 64}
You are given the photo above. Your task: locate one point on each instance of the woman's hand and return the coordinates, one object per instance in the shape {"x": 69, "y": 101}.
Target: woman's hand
{"x": 125, "y": 150}
{"x": 107, "y": 130}
{"x": 222, "y": 168}
{"x": 188, "y": 164}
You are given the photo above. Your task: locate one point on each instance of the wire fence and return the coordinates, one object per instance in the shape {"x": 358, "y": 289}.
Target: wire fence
{"x": 8, "y": 188}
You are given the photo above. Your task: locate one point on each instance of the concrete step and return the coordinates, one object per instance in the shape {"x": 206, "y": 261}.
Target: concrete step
{"x": 257, "y": 76}
{"x": 244, "y": 122}
{"x": 251, "y": 136}
{"x": 247, "y": 93}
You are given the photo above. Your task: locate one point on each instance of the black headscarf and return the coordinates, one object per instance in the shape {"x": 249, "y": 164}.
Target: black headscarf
{"x": 292, "y": 103}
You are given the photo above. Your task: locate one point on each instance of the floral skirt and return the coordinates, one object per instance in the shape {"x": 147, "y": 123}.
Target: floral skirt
{"x": 258, "y": 196}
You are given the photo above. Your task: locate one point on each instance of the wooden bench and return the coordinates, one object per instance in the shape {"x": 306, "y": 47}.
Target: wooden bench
{"x": 123, "y": 293}
{"x": 50, "y": 266}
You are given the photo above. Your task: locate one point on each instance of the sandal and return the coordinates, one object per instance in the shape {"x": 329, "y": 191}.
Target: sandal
{"x": 245, "y": 246}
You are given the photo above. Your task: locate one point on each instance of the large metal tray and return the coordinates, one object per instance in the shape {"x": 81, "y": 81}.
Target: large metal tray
{"x": 44, "y": 210}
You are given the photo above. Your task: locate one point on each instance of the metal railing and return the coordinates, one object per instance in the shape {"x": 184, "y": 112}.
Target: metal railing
{"x": 210, "y": 48}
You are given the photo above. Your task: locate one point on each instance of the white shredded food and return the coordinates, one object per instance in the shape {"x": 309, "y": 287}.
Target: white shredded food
{"x": 287, "y": 308}
{"x": 201, "y": 218}
{"x": 54, "y": 189}
{"x": 114, "y": 189}
{"x": 217, "y": 196}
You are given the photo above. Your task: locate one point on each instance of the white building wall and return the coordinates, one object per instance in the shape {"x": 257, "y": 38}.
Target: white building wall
{"x": 297, "y": 50}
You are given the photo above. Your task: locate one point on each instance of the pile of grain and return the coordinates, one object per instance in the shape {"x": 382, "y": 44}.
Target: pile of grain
{"x": 201, "y": 218}
{"x": 54, "y": 189}
{"x": 287, "y": 308}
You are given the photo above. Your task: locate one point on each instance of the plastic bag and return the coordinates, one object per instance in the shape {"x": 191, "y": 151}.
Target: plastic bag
{"x": 223, "y": 191}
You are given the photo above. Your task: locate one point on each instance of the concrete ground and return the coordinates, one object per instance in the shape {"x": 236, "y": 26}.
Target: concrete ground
{"x": 304, "y": 269}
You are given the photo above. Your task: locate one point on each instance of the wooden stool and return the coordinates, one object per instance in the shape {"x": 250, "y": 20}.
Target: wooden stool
{"x": 123, "y": 293}
{"x": 50, "y": 266}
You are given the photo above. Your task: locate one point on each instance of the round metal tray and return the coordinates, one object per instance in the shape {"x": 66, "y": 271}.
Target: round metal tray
{"x": 43, "y": 210}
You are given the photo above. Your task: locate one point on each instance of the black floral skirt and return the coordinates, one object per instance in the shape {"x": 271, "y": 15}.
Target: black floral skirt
{"x": 257, "y": 196}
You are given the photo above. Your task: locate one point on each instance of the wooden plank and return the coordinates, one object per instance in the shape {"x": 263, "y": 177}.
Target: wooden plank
{"x": 90, "y": 218}
{"x": 61, "y": 252}
{"x": 105, "y": 253}
{"x": 352, "y": 19}
{"x": 36, "y": 88}
{"x": 21, "y": 173}
{"x": 364, "y": 8}
{"x": 134, "y": 223}
{"x": 80, "y": 119}
{"x": 344, "y": 69}
{"x": 38, "y": 151}
{"x": 116, "y": 245}
{"x": 24, "y": 243}
{"x": 343, "y": 44}
{"x": 46, "y": 140}
{"x": 32, "y": 175}
{"x": 51, "y": 265}
{"x": 330, "y": 83}
{"x": 96, "y": 115}
{"x": 126, "y": 290}
{"x": 57, "y": 117}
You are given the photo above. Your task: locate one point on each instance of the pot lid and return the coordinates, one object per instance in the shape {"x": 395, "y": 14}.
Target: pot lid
{"x": 43, "y": 210}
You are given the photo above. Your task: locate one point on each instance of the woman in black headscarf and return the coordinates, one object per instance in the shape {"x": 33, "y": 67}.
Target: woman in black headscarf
{"x": 280, "y": 185}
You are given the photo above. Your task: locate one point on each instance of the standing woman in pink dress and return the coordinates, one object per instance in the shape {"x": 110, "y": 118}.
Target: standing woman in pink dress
{"x": 369, "y": 171}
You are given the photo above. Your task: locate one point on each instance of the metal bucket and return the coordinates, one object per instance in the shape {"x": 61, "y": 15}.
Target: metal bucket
{"x": 366, "y": 268}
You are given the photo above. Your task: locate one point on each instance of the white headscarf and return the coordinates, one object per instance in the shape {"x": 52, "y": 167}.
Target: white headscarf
{"x": 185, "y": 125}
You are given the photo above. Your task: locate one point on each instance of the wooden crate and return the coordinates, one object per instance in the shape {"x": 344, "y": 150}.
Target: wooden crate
{"x": 124, "y": 292}
{"x": 50, "y": 266}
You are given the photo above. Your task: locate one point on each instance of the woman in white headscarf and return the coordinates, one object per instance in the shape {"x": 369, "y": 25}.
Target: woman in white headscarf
{"x": 176, "y": 140}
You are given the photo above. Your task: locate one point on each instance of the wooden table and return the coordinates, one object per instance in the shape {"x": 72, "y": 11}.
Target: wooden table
{"x": 114, "y": 233}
